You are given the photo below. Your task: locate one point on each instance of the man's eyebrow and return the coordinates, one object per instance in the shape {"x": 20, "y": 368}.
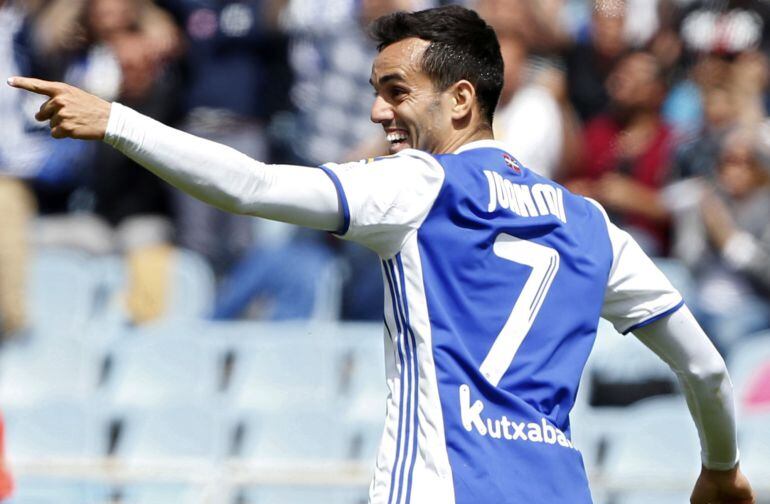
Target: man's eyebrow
{"x": 386, "y": 78}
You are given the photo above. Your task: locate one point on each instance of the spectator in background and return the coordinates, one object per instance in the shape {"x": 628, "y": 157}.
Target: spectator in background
{"x": 729, "y": 243}
{"x": 726, "y": 26}
{"x": 117, "y": 49}
{"x": 233, "y": 76}
{"x": 627, "y": 152}
{"x": 711, "y": 36}
{"x": 539, "y": 24}
{"x": 534, "y": 117}
{"x": 699, "y": 155}
{"x": 23, "y": 156}
{"x": 591, "y": 60}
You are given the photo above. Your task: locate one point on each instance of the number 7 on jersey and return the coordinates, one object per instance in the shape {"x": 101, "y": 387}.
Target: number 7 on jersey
{"x": 544, "y": 262}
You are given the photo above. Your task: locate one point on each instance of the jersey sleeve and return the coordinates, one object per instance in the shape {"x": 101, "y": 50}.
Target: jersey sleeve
{"x": 386, "y": 199}
{"x": 637, "y": 292}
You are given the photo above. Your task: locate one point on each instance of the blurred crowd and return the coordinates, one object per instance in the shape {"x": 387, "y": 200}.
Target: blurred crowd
{"x": 658, "y": 109}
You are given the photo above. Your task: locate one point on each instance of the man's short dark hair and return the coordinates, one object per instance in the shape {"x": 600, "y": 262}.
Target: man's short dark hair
{"x": 462, "y": 46}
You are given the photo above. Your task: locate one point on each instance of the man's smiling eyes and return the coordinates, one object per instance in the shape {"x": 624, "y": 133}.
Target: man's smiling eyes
{"x": 391, "y": 92}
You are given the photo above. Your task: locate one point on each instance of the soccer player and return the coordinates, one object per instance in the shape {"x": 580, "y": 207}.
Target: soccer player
{"x": 495, "y": 278}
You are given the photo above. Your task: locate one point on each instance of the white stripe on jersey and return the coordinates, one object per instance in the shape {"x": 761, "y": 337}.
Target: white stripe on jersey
{"x": 423, "y": 455}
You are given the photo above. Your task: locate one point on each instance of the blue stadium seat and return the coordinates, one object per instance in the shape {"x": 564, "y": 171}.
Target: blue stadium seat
{"x": 162, "y": 493}
{"x": 163, "y": 364}
{"x": 754, "y": 445}
{"x": 274, "y": 375}
{"x": 624, "y": 358}
{"x": 54, "y": 430}
{"x": 291, "y": 436}
{"x": 60, "y": 293}
{"x": 192, "y": 286}
{"x": 187, "y": 433}
{"x": 656, "y": 455}
{"x": 37, "y": 371}
{"x": 303, "y": 495}
{"x": 39, "y": 490}
{"x": 362, "y": 370}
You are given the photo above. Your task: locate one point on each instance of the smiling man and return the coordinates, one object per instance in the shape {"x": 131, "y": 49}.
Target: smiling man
{"x": 495, "y": 278}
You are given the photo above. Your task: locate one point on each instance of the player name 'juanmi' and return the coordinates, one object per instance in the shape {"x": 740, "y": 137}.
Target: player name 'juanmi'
{"x": 539, "y": 200}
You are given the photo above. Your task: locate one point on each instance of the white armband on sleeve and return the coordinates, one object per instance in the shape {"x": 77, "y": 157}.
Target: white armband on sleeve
{"x": 224, "y": 177}
{"x": 682, "y": 344}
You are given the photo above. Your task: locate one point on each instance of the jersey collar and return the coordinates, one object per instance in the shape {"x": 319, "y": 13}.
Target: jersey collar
{"x": 482, "y": 144}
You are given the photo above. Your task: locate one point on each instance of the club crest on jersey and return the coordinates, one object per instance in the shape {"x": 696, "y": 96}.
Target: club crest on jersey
{"x": 512, "y": 163}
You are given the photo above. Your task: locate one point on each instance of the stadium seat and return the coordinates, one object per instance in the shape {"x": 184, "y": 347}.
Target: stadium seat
{"x": 303, "y": 495}
{"x": 656, "y": 455}
{"x": 364, "y": 438}
{"x": 754, "y": 445}
{"x": 281, "y": 375}
{"x": 39, "y": 490}
{"x": 37, "y": 371}
{"x": 52, "y": 430}
{"x": 287, "y": 438}
{"x": 60, "y": 292}
{"x": 362, "y": 371}
{"x": 160, "y": 493}
{"x": 192, "y": 286}
{"x": 164, "y": 364}
{"x": 749, "y": 366}
{"x": 621, "y": 370}
{"x": 183, "y": 433}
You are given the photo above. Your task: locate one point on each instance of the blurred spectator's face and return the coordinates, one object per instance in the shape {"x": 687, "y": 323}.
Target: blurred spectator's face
{"x": 634, "y": 83}
{"x": 710, "y": 71}
{"x": 718, "y": 106}
{"x": 507, "y": 16}
{"x": 607, "y": 27}
{"x": 110, "y": 17}
{"x": 739, "y": 172}
{"x": 514, "y": 58}
{"x": 372, "y": 9}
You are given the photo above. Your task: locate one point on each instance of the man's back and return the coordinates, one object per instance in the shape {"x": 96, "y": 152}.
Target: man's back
{"x": 495, "y": 279}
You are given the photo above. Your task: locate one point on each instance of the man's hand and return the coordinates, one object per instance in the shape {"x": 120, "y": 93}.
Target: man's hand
{"x": 71, "y": 112}
{"x": 722, "y": 487}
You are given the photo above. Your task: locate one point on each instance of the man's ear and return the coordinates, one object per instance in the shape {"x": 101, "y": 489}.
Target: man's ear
{"x": 463, "y": 96}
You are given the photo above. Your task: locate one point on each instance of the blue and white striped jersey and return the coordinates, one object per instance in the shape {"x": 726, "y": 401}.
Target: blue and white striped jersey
{"x": 495, "y": 279}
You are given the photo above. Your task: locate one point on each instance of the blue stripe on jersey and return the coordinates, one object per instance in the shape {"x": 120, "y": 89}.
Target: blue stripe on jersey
{"x": 343, "y": 200}
{"x": 655, "y": 318}
{"x": 416, "y": 377}
{"x": 401, "y": 394}
{"x": 410, "y": 370}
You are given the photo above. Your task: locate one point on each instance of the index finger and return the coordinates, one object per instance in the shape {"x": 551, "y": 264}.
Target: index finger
{"x": 38, "y": 86}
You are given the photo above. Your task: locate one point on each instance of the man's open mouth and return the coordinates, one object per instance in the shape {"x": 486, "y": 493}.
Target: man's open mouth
{"x": 397, "y": 140}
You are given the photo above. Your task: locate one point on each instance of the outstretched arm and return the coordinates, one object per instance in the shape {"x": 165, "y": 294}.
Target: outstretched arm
{"x": 682, "y": 344}
{"x": 209, "y": 171}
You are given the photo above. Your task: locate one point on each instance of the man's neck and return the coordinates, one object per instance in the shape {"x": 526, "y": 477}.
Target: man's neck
{"x": 466, "y": 136}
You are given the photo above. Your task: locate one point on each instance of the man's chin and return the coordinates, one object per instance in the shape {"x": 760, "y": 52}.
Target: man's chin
{"x": 397, "y": 147}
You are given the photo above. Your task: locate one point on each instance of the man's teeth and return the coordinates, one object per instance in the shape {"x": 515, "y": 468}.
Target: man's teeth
{"x": 396, "y": 137}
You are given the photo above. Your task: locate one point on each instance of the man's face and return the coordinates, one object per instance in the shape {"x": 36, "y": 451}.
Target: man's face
{"x": 633, "y": 83}
{"x": 407, "y": 105}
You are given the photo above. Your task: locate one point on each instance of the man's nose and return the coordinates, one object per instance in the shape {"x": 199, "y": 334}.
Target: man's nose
{"x": 382, "y": 111}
